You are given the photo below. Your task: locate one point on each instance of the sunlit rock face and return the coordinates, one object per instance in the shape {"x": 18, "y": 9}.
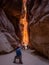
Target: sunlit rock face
{"x": 39, "y": 27}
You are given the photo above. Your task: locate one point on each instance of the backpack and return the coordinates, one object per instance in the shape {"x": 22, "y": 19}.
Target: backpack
{"x": 18, "y": 52}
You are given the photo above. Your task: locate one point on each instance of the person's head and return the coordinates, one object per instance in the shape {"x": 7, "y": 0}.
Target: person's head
{"x": 17, "y": 46}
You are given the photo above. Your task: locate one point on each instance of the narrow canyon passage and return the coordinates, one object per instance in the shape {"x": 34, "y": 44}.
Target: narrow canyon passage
{"x": 26, "y": 21}
{"x": 24, "y": 27}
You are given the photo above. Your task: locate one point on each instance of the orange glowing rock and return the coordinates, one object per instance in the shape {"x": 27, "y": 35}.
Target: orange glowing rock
{"x": 23, "y": 21}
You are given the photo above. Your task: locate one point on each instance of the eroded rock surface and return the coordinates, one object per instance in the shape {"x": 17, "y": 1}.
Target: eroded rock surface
{"x": 7, "y": 33}
{"x": 39, "y": 27}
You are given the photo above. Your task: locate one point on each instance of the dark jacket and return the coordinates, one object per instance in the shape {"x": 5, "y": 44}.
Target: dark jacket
{"x": 18, "y": 51}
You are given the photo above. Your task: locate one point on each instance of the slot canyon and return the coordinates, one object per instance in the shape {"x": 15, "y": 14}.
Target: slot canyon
{"x": 25, "y": 22}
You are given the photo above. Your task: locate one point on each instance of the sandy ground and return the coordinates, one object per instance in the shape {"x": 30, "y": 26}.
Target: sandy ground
{"x": 27, "y": 57}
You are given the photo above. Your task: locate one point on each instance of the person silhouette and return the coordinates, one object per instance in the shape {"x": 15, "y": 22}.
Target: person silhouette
{"x": 18, "y": 54}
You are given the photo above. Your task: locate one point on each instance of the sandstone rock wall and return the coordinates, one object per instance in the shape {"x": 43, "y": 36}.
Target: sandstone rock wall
{"x": 7, "y": 33}
{"x": 39, "y": 27}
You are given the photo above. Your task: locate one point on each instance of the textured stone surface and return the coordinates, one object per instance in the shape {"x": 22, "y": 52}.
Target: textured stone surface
{"x": 39, "y": 27}
{"x": 13, "y": 12}
{"x": 7, "y": 33}
{"x": 9, "y": 23}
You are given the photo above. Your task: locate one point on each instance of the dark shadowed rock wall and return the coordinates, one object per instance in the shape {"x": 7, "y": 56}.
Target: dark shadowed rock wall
{"x": 39, "y": 26}
{"x": 9, "y": 24}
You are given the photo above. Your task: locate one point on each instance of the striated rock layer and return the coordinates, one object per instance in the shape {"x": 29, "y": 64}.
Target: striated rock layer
{"x": 39, "y": 26}
{"x": 7, "y": 34}
{"x": 9, "y": 24}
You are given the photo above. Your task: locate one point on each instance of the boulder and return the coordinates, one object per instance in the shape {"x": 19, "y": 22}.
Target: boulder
{"x": 4, "y": 43}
